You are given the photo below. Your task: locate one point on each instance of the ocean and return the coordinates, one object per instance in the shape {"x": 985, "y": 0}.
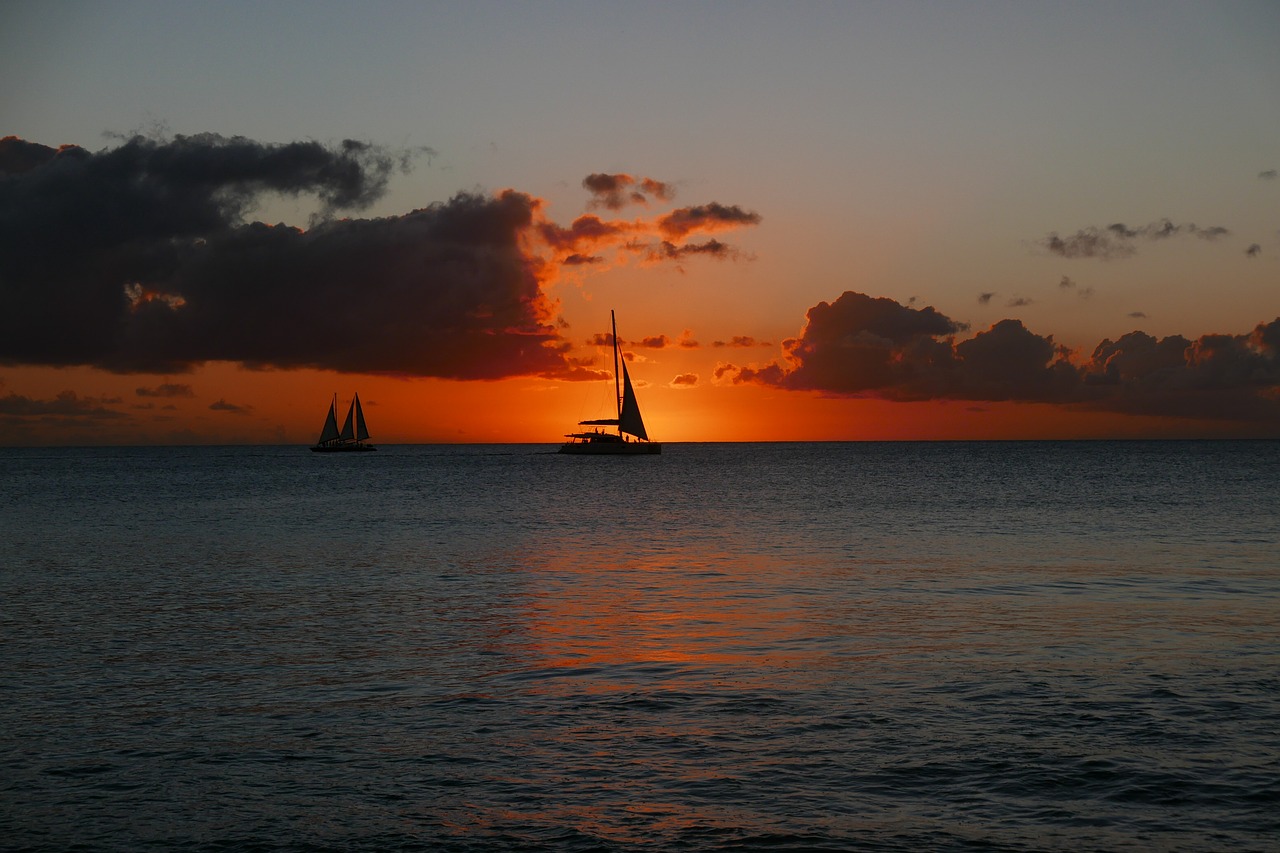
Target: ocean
{"x": 862, "y": 646}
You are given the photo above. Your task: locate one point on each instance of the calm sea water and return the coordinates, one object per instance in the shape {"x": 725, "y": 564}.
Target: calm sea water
{"x": 1008, "y": 646}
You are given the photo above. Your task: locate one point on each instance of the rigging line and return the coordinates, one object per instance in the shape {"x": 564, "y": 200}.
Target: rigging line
{"x": 617, "y": 388}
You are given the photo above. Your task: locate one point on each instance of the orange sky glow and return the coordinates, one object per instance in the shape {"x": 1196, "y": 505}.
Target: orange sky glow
{"x": 925, "y": 238}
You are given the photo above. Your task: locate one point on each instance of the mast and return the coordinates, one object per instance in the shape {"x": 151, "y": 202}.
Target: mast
{"x": 617, "y": 389}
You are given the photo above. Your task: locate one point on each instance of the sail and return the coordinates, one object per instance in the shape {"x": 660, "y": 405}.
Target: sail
{"x": 629, "y": 420}
{"x": 347, "y": 432}
{"x": 330, "y": 431}
{"x": 362, "y": 432}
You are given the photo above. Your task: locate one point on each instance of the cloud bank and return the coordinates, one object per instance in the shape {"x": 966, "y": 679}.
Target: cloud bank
{"x": 865, "y": 346}
{"x": 139, "y": 258}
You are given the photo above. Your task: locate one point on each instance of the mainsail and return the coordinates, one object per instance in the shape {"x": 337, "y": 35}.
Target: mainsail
{"x": 330, "y": 431}
{"x": 348, "y": 434}
{"x": 629, "y": 420}
{"x": 362, "y": 432}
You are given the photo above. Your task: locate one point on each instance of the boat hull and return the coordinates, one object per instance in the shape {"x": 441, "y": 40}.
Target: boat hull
{"x": 611, "y": 448}
{"x": 342, "y": 448}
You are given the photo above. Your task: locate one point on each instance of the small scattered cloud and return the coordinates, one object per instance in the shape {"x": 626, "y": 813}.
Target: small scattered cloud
{"x": 985, "y": 298}
{"x": 1069, "y": 284}
{"x": 725, "y": 372}
{"x": 615, "y": 192}
{"x": 713, "y": 248}
{"x": 687, "y": 341}
{"x": 1019, "y": 302}
{"x": 1137, "y": 315}
{"x": 67, "y": 404}
{"x": 1268, "y": 174}
{"x": 742, "y": 341}
{"x": 231, "y": 408}
{"x": 1253, "y": 251}
{"x": 685, "y": 380}
{"x": 1120, "y": 241}
{"x": 705, "y": 218}
{"x": 167, "y": 389}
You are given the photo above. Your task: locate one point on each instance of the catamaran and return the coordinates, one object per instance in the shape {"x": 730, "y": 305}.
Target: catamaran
{"x": 631, "y": 437}
{"x": 353, "y": 433}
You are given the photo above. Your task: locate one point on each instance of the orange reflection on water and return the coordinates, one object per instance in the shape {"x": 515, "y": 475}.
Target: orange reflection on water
{"x": 615, "y": 620}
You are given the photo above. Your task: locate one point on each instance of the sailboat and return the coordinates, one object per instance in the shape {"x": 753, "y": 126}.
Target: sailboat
{"x": 631, "y": 437}
{"x": 353, "y": 433}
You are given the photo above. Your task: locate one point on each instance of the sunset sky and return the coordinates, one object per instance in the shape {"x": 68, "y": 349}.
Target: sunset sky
{"x": 814, "y": 221}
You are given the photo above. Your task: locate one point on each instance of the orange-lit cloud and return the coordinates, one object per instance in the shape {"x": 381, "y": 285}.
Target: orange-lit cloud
{"x": 865, "y": 346}
{"x": 650, "y": 241}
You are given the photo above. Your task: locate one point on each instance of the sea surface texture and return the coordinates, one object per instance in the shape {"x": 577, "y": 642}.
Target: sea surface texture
{"x": 995, "y": 646}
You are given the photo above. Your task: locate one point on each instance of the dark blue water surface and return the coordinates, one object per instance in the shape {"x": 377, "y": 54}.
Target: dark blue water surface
{"x": 1059, "y": 646}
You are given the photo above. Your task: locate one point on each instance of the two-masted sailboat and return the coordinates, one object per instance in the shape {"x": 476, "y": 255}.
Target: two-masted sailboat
{"x": 352, "y": 435}
{"x": 631, "y": 437}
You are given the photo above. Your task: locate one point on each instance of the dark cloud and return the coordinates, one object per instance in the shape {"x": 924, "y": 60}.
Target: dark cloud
{"x": 1268, "y": 175}
{"x": 705, "y": 217}
{"x": 65, "y": 405}
{"x": 653, "y": 342}
{"x": 685, "y": 380}
{"x": 230, "y": 408}
{"x": 582, "y": 260}
{"x": 19, "y": 155}
{"x": 167, "y": 389}
{"x": 862, "y": 346}
{"x": 724, "y": 370}
{"x": 739, "y": 341}
{"x": 1224, "y": 377}
{"x": 1137, "y": 315}
{"x": 137, "y": 259}
{"x": 711, "y": 248}
{"x": 985, "y": 298}
{"x": 1118, "y": 240}
{"x": 1254, "y": 250}
{"x": 1019, "y": 302}
{"x": 617, "y": 191}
